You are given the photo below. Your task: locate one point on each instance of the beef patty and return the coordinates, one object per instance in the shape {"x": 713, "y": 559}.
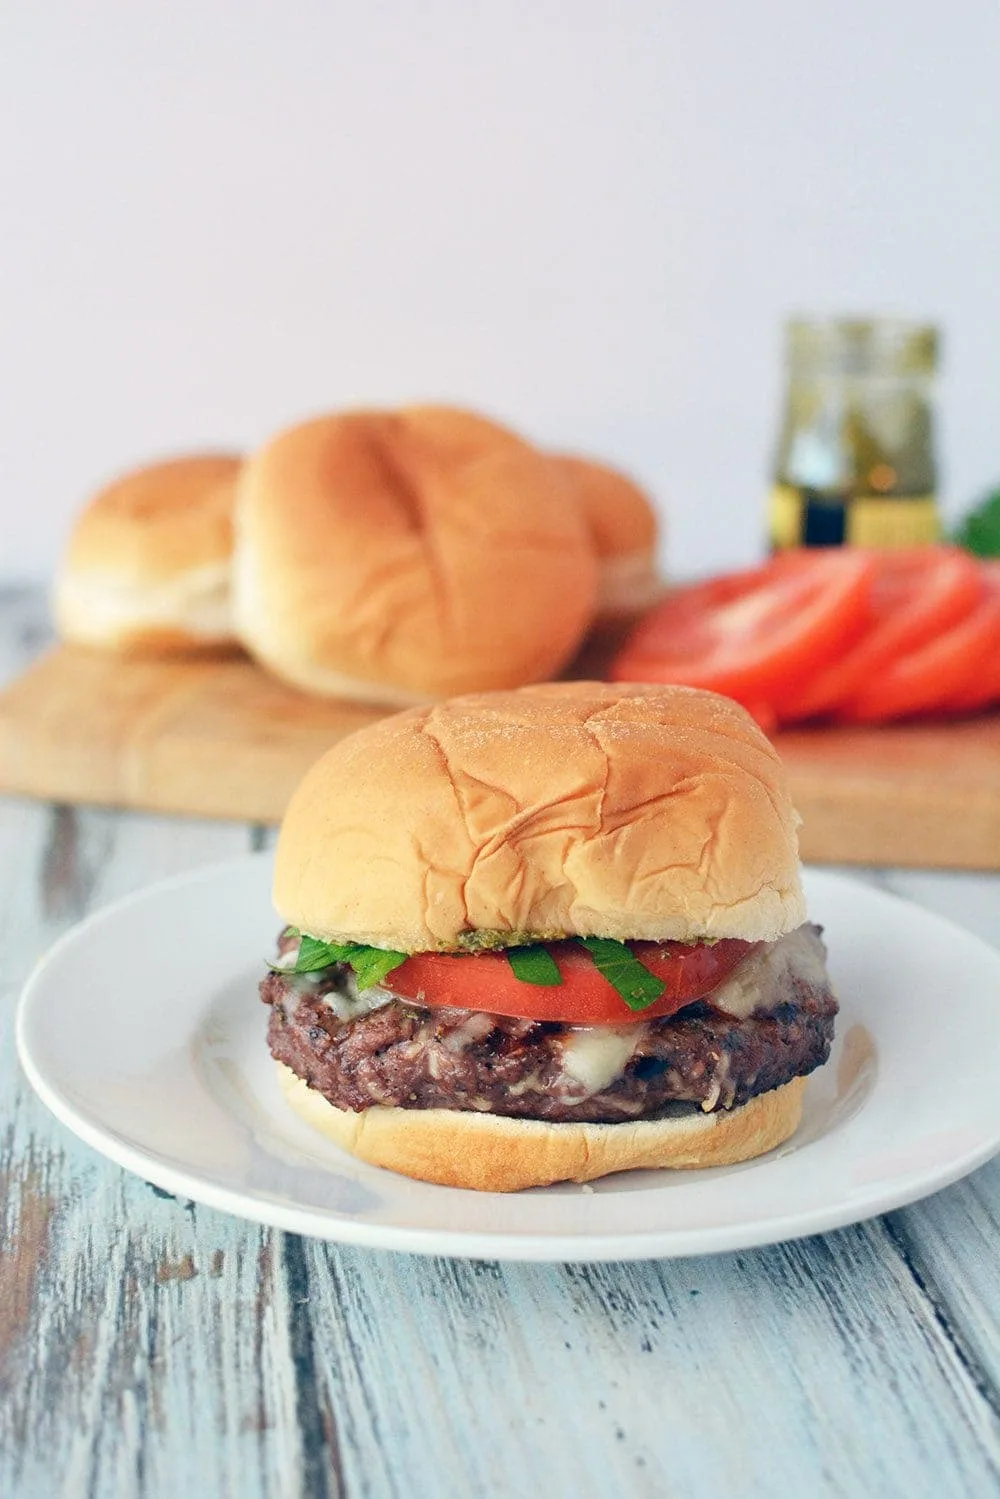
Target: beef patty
{"x": 383, "y": 1050}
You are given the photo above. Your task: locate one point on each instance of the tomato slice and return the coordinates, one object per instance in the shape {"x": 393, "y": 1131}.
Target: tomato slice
{"x": 984, "y": 686}
{"x": 917, "y": 592}
{"x": 486, "y": 981}
{"x": 754, "y": 635}
{"x": 928, "y": 679}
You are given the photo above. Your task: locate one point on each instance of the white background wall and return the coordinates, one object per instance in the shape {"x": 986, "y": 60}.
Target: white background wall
{"x": 586, "y": 216}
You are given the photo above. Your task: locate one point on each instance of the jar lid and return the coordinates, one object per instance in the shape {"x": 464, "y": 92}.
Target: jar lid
{"x": 861, "y": 346}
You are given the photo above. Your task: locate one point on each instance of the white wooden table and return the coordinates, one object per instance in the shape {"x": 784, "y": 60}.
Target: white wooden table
{"x": 150, "y": 1346}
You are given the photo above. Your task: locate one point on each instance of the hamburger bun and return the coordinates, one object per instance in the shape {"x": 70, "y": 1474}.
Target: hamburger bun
{"x": 401, "y": 557}
{"x": 490, "y": 1153}
{"x": 624, "y": 529}
{"x": 623, "y": 811}
{"x": 147, "y": 569}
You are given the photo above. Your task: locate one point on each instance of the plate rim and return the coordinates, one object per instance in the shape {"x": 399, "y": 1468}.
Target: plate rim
{"x": 518, "y": 1245}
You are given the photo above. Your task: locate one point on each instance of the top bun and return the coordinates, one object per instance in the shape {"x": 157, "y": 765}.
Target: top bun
{"x": 576, "y": 808}
{"x": 403, "y": 556}
{"x": 148, "y": 560}
{"x": 623, "y": 527}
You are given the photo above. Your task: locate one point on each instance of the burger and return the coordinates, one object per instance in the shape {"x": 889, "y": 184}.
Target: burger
{"x": 547, "y": 934}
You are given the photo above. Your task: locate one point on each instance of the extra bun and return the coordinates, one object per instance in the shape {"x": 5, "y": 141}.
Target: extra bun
{"x": 494, "y": 1154}
{"x": 148, "y": 564}
{"x": 623, "y": 527}
{"x": 399, "y": 557}
{"x": 587, "y": 808}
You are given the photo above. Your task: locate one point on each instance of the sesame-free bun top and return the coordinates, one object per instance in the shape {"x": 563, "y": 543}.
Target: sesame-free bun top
{"x": 403, "y": 556}
{"x": 576, "y": 808}
{"x": 148, "y": 560}
{"x": 624, "y": 529}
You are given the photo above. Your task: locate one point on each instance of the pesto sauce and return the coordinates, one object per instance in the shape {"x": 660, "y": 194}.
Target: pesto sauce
{"x": 485, "y": 939}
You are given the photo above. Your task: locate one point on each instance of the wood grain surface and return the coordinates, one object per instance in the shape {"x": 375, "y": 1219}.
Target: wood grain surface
{"x": 220, "y": 738}
{"x": 151, "y": 1347}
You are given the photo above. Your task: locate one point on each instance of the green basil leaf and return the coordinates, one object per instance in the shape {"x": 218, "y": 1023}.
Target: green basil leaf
{"x": 534, "y": 965}
{"x": 627, "y": 976}
{"x": 371, "y": 964}
{"x": 314, "y": 954}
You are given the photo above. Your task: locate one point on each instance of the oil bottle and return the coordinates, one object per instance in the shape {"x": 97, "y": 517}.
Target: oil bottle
{"x": 855, "y": 460}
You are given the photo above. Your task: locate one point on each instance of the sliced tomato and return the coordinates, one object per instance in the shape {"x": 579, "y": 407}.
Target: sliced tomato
{"x": 917, "y": 593}
{"x": 486, "y": 981}
{"x": 929, "y": 679}
{"x": 983, "y": 687}
{"x": 754, "y": 635}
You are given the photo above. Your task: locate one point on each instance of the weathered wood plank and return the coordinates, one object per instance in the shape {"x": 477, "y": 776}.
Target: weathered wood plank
{"x": 59, "y": 863}
{"x": 951, "y": 1244}
{"x": 950, "y": 1241}
{"x": 143, "y": 1346}
{"x": 812, "y": 1368}
{"x": 144, "y": 1342}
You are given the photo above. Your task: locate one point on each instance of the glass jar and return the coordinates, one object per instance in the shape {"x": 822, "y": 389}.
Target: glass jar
{"x": 855, "y": 462}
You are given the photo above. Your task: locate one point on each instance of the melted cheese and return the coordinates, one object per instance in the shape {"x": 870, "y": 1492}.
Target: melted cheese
{"x": 287, "y": 960}
{"x": 761, "y": 981}
{"x": 593, "y": 1057}
{"x": 350, "y": 1006}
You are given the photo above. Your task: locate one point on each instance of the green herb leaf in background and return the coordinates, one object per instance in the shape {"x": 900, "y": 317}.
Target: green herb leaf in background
{"x": 979, "y": 532}
{"x": 534, "y": 965}
{"x": 633, "y": 982}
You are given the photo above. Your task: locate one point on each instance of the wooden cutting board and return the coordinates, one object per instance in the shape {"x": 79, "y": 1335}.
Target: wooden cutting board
{"x": 219, "y": 738}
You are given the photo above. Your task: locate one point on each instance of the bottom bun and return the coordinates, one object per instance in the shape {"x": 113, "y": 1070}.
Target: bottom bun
{"x": 491, "y": 1153}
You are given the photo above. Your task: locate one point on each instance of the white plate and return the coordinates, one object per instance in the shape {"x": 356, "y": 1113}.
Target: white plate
{"x": 142, "y": 1031}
